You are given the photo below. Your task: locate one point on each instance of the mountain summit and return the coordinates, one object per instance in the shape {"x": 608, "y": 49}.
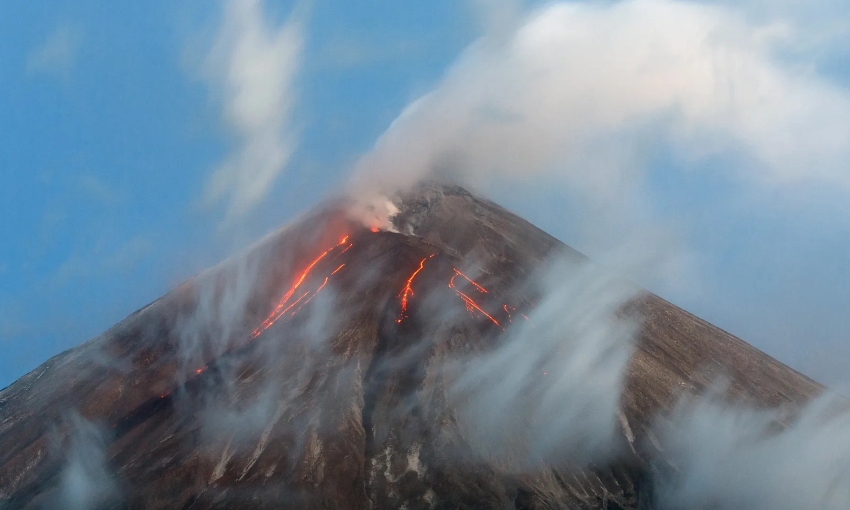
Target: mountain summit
{"x": 461, "y": 359}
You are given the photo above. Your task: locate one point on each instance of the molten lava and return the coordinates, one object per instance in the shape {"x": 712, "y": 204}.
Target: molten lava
{"x": 473, "y": 282}
{"x": 474, "y": 309}
{"x": 284, "y": 305}
{"x": 407, "y": 292}
{"x": 471, "y": 306}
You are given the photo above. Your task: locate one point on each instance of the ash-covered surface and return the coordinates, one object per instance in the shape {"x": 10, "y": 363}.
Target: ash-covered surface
{"x": 359, "y": 389}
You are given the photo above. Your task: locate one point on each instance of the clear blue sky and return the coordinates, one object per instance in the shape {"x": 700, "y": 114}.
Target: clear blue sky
{"x": 110, "y": 130}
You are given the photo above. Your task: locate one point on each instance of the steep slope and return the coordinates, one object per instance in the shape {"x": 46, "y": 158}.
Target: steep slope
{"x": 320, "y": 369}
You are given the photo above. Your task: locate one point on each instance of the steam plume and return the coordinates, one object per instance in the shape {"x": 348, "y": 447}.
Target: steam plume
{"x": 577, "y": 91}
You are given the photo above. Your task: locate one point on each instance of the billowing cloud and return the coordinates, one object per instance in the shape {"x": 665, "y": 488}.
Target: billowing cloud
{"x": 583, "y": 91}
{"x": 58, "y": 54}
{"x": 254, "y": 66}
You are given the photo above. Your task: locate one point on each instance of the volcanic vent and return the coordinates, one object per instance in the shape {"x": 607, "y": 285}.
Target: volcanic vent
{"x": 333, "y": 366}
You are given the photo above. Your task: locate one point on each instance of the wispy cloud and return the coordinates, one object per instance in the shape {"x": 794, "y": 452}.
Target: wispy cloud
{"x": 102, "y": 258}
{"x": 58, "y": 54}
{"x": 253, "y": 66}
{"x": 98, "y": 190}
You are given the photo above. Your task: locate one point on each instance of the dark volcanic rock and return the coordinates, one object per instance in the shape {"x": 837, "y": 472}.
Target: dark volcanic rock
{"x": 344, "y": 402}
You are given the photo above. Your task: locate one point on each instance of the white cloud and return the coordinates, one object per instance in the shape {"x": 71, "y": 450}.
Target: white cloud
{"x": 98, "y": 190}
{"x": 551, "y": 389}
{"x": 85, "y": 480}
{"x": 58, "y": 54}
{"x": 727, "y": 458}
{"x": 580, "y": 90}
{"x": 254, "y": 67}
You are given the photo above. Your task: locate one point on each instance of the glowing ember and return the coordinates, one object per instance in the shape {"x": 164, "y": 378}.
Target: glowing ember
{"x": 407, "y": 292}
{"x": 508, "y": 309}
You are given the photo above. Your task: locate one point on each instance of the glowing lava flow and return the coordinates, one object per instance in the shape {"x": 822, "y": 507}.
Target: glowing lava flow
{"x": 284, "y": 305}
{"x": 471, "y": 305}
{"x": 407, "y": 292}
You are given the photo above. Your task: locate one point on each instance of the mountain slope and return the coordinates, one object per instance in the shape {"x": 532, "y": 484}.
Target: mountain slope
{"x": 329, "y": 367}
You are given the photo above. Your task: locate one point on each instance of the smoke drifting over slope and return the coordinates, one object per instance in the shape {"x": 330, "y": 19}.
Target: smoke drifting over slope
{"x": 726, "y": 456}
{"x": 557, "y": 376}
{"x": 85, "y": 480}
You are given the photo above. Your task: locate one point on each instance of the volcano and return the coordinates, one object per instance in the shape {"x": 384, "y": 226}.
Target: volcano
{"x": 337, "y": 366}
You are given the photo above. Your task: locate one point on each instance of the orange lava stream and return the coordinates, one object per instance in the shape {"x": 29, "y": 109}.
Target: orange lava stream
{"x": 407, "y": 292}
{"x": 281, "y": 308}
{"x": 322, "y": 286}
{"x": 471, "y": 306}
{"x": 284, "y": 305}
{"x": 470, "y": 280}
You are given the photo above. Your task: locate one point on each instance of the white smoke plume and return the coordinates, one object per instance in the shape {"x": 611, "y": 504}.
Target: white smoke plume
{"x": 254, "y": 66}
{"x": 725, "y": 457}
{"x": 85, "y": 480}
{"x": 551, "y": 391}
{"x": 581, "y": 93}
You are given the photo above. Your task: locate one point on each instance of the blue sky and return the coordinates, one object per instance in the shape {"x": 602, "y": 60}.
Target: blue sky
{"x": 114, "y": 121}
